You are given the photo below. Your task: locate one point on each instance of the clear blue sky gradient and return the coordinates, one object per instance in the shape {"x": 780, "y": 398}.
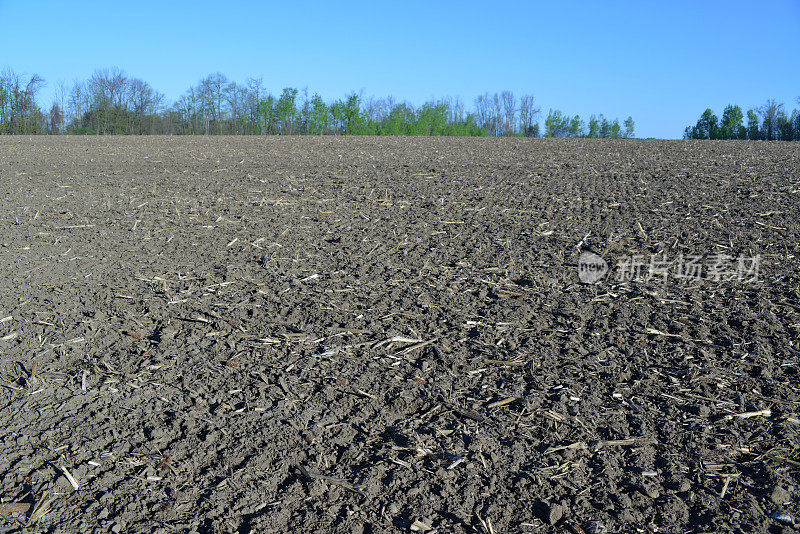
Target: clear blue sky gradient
{"x": 661, "y": 62}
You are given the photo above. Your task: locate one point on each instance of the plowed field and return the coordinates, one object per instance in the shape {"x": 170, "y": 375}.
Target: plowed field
{"x": 391, "y": 335}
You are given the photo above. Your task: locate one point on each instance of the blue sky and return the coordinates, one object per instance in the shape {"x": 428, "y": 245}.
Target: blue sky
{"x": 661, "y": 62}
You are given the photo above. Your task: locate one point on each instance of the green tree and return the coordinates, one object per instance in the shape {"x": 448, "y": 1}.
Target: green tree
{"x": 286, "y": 110}
{"x": 353, "y": 119}
{"x": 594, "y": 127}
{"x": 266, "y": 112}
{"x": 616, "y": 130}
{"x": 431, "y": 119}
{"x": 629, "y": 128}
{"x": 320, "y": 116}
{"x": 395, "y": 123}
{"x": 784, "y": 127}
{"x": 732, "y": 124}
{"x": 472, "y": 128}
{"x": 576, "y": 127}
{"x": 706, "y": 127}
{"x": 605, "y": 128}
{"x": 753, "y": 131}
{"x": 337, "y": 110}
{"x": 556, "y": 124}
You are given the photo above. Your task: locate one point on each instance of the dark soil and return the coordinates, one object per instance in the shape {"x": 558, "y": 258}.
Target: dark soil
{"x": 372, "y": 335}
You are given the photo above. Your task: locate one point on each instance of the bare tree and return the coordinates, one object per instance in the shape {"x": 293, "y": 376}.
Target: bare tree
{"x": 212, "y": 93}
{"x": 28, "y": 113}
{"x": 770, "y": 112}
{"x": 235, "y": 96}
{"x": 56, "y": 119}
{"x": 144, "y": 103}
{"x": 77, "y": 103}
{"x": 107, "y": 89}
{"x": 185, "y": 107}
{"x": 372, "y": 109}
{"x": 195, "y": 105}
{"x": 496, "y": 116}
{"x": 254, "y": 90}
{"x": 528, "y": 112}
{"x": 61, "y": 98}
{"x": 482, "y": 110}
{"x": 18, "y": 110}
{"x": 509, "y": 112}
{"x": 458, "y": 111}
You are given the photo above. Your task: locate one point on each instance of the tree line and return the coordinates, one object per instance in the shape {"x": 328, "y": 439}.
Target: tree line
{"x": 111, "y": 102}
{"x": 559, "y": 125}
{"x": 19, "y": 113}
{"x": 768, "y": 122}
